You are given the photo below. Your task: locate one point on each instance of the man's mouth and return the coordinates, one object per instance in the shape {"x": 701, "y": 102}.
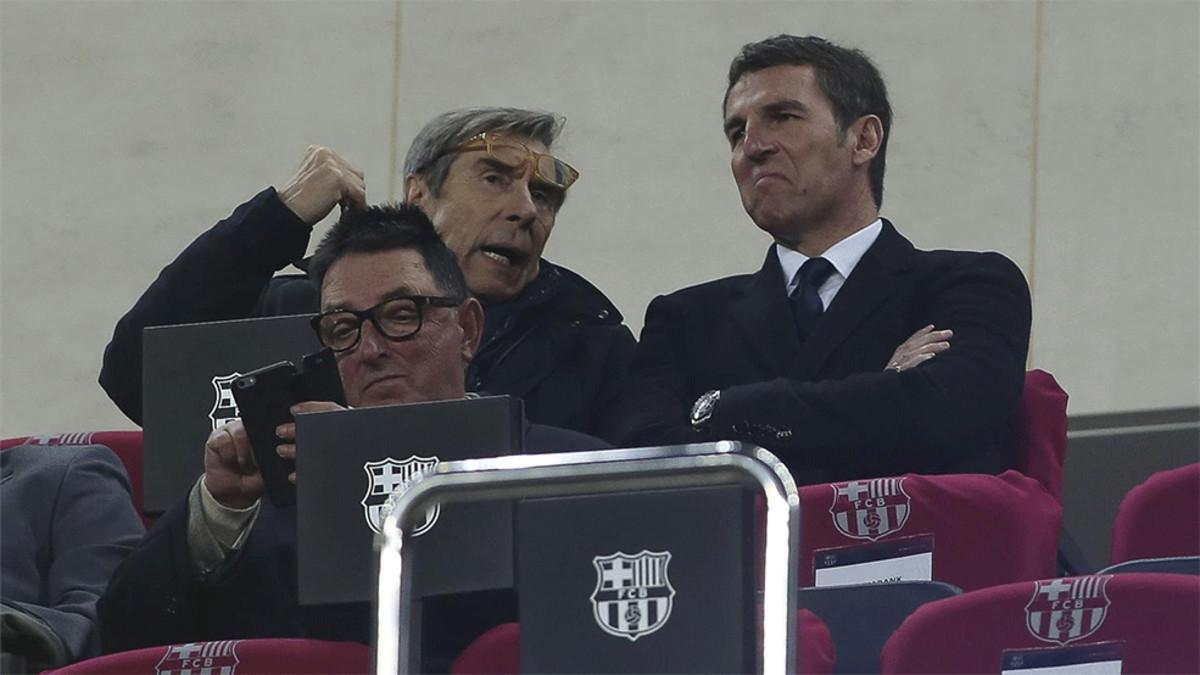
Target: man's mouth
{"x": 386, "y": 379}
{"x": 763, "y": 177}
{"x": 504, "y": 255}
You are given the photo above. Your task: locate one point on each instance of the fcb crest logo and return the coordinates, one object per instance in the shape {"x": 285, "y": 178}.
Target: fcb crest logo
{"x": 200, "y": 658}
{"x": 870, "y": 509}
{"x": 633, "y": 595}
{"x": 1065, "y": 610}
{"x": 385, "y": 477}
{"x": 224, "y": 408}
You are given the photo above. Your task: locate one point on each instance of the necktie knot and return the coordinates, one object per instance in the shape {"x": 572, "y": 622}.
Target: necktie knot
{"x": 814, "y": 272}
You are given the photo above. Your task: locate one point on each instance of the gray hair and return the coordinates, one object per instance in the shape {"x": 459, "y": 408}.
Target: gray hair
{"x": 429, "y": 155}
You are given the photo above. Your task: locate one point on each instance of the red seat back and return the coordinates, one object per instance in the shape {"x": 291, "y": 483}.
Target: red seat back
{"x": 498, "y": 651}
{"x": 127, "y": 445}
{"x": 987, "y": 530}
{"x": 1040, "y": 437}
{"x": 1160, "y": 518}
{"x": 245, "y": 657}
{"x": 1156, "y": 615}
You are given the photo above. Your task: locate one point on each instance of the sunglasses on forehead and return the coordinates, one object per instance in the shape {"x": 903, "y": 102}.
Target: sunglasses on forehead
{"x": 546, "y": 168}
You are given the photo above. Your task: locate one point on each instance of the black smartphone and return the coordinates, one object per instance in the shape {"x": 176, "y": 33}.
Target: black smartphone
{"x": 265, "y": 397}
{"x": 319, "y": 378}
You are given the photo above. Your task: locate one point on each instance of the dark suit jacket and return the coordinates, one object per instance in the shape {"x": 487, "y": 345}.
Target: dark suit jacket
{"x": 826, "y": 407}
{"x": 68, "y": 520}
{"x": 157, "y": 596}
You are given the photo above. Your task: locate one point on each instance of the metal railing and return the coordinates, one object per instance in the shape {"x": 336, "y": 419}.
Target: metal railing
{"x": 591, "y": 472}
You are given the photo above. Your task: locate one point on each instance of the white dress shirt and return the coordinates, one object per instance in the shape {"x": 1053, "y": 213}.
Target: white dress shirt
{"x": 844, "y": 256}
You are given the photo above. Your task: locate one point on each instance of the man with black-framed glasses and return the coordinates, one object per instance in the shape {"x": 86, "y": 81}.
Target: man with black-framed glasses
{"x": 396, "y": 310}
{"x": 493, "y": 189}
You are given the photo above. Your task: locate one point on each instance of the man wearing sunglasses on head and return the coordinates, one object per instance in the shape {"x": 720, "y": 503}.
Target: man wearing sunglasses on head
{"x": 488, "y": 181}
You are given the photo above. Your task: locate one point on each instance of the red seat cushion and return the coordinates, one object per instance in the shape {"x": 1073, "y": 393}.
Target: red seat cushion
{"x": 987, "y": 530}
{"x": 1160, "y": 518}
{"x": 1156, "y": 615}
{"x": 498, "y": 651}
{"x": 1040, "y": 437}
{"x": 245, "y": 657}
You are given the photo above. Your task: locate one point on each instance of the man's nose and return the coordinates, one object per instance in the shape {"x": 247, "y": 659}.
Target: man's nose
{"x": 522, "y": 208}
{"x": 757, "y": 143}
{"x": 371, "y": 343}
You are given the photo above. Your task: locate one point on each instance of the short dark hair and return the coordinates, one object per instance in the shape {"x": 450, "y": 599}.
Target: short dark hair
{"x": 388, "y": 227}
{"x": 847, "y": 77}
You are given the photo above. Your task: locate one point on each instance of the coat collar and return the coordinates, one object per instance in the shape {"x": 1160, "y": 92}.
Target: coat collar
{"x": 761, "y": 306}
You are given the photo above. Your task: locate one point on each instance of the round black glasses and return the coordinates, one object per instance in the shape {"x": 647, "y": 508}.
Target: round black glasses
{"x": 398, "y": 318}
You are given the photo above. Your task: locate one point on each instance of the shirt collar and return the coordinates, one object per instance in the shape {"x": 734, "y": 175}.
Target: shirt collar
{"x": 844, "y": 255}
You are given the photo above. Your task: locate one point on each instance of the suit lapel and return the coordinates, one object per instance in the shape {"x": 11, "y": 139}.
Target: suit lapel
{"x": 869, "y": 285}
{"x": 760, "y": 306}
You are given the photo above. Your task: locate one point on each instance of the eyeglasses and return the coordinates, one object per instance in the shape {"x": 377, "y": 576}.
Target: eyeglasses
{"x": 548, "y": 168}
{"x": 398, "y": 318}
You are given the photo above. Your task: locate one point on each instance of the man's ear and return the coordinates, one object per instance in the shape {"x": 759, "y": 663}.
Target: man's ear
{"x": 867, "y": 133}
{"x": 470, "y": 318}
{"x": 416, "y": 189}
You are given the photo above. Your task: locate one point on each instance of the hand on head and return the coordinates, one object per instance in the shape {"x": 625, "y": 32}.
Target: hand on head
{"x": 323, "y": 181}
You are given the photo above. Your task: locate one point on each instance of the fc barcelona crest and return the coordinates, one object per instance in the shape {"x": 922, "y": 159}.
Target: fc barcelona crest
{"x": 224, "y": 408}
{"x": 633, "y": 595}
{"x": 385, "y": 477}
{"x": 200, "y": 658}
{"x": 870, "y": 509}
{"x": 1065, "y": 610}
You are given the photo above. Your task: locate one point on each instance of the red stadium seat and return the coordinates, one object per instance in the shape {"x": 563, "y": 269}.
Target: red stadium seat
{"x": 127, "y": 445}
{"x": 244, "y": 657}
{"x": 1040, "y": 437}
{"x": 986, "y": 530}
{"x": 497, "y": 652}
{"x": 1151, "y": 620}
{"x": 1160, "y": 518}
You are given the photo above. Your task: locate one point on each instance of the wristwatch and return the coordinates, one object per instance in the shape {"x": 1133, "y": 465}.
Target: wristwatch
{"x": 702, "y": 410}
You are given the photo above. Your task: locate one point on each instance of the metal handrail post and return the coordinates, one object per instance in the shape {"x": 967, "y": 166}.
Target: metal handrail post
{"x": 590, "y": 472}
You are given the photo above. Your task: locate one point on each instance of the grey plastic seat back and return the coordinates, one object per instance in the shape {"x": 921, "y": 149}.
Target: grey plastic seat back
{"x": 1186, "y": 564}
{"x": 861, "y": 618}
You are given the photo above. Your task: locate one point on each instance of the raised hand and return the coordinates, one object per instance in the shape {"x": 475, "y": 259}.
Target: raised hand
{"x": 323, "y": 181}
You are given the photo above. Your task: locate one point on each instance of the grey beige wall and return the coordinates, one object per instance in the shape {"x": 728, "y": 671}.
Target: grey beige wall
{"x": 1064, "y": 134}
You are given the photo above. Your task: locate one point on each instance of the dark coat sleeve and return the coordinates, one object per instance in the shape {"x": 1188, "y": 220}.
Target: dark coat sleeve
{"x": 654, "y": 405}
{"x": 92, "y": 527}
{"x": 621, "y": 347}
{"x": 158, "y": 597}
{"x": 926, "y": 419}
{"x": 223, "y": 274}
{"x": 154, "y": 597}
{"x": 590, "y": 373}
{"x": 867, "y": 423}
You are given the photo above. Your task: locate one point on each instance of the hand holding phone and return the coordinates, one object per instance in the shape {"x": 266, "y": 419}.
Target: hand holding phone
{"x": 230, "y": 474}
{"x": 265, "y": 398}
{"x": 287, "y": 430}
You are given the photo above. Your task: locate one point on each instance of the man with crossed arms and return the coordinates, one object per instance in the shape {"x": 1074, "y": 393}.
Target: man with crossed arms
{"x": 801, "y": 357}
